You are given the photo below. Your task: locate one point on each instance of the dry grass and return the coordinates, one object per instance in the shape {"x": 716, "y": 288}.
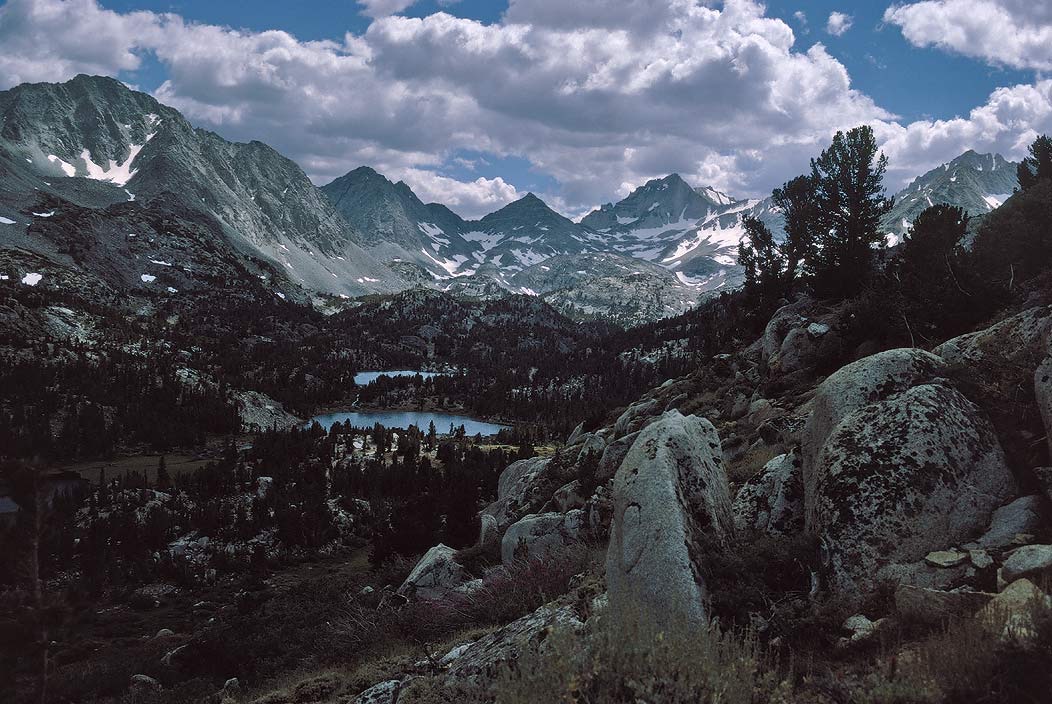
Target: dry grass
{"x": 626, "y": 659}
{"x": 751, "y": 462}
{"x": 968, "y": 660}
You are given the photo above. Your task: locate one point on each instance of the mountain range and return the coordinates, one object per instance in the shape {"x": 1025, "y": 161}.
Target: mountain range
{"x": 106, "y": 181}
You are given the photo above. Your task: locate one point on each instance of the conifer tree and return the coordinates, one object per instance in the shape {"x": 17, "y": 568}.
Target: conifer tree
{"x": 849, "y": 198}
{"x": 796, "y": 199}
{"x": 764, "y": 262}
{"x": 1038, "y": 165}
{"x": 164, "y": 482}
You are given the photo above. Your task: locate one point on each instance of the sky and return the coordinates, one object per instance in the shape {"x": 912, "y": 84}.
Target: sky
{"x": 473, "y": 103}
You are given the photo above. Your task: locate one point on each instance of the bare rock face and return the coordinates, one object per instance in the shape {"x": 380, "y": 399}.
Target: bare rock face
{"x": 900, "y": 477}
{"x": 772, "y": 501}
{"x": 670, "y": 490}
{"x": 436, "y": 575}
{"x": 866, "y": 381}
{"x": 383, "y": 693}
{"x": 539, "y": 534}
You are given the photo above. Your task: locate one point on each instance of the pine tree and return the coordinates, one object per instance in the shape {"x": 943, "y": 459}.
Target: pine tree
{"x": 849, "y": 198}
{"x": 798, "y": 202}
{"x": 764, "y": 262}
{"x": 164, "y": 482}
{"x": 1038, "y": 165}
{"x": 934, "y": 286}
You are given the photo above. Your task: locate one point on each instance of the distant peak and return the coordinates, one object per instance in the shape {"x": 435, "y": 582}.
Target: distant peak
{"x": 671, "y": 179}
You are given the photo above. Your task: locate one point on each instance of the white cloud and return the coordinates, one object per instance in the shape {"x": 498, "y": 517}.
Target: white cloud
{"x": 839, "y": 23}
{"x": 52, "y": 41}
{"x": 1007, "y": 123}
{"x": 382, "y": 8}
{"x": 599, "y": 94}
{"x": 1015, "y": 33}
{"x": 471, "y": 199}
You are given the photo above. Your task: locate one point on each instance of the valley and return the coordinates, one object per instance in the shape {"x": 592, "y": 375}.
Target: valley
{"x": 265, "y": 442}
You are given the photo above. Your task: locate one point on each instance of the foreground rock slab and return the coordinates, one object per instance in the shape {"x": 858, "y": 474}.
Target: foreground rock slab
{"x": 670, "y": 491}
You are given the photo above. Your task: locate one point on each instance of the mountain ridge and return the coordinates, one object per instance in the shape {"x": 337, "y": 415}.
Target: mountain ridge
{"x": 94, "y": 142}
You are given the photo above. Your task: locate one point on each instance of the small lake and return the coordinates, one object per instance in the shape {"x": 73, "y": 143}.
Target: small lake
{"x": 364, "y": 378}
{"x": 403, "y": 419}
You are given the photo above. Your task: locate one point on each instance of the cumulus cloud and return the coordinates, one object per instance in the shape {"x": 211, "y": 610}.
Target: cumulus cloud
{"x": 1007, "y": 123}
{"x": 472, "y": 199}
{"x": 839, "y": 23}
{"x": 52, "y": 41}
{"x": 1015, "y": 33}
{"x": 598, "y": 95}
{"x": 382, "y": 8}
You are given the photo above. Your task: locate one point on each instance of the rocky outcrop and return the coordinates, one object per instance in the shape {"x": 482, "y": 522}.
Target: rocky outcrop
{"x": 381, "y": 693}
{"x": 436, "y": 575}
{"x": 1022, "y": 516}
{"x": 535, "y": 536}
{"x": 866, "y": 381}
{"x": 669, "y": 492}
{"x": 1034, "y": 561}
{"x": 636, "y": 416}
{"x": 1043, "y": 396}
{"x": 569, "y": 496}
{"x": 1012, "y": 339}
{"x": 515, "y": 489}
{"x": 613, "y": 456}
{"x": 1010, "y": 614}
{"x": 796, "y": 339}
{"x": 772, "y": 501}
{"x": 923, "y": 605}
{"x": 896, "y": 464}
{"x": 899, "y": 478}
{"x": 483, "y": 658}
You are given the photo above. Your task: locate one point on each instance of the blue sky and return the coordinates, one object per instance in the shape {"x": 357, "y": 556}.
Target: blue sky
{"x": 578, "y": 100}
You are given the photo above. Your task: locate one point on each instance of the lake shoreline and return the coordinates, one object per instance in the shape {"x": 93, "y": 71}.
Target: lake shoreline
{"x": 401, "y": 418}
{"x": 458, "y": 409}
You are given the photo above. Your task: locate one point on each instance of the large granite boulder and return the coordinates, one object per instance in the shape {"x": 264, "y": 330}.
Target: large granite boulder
{"x": 772, "y": 500}
{"x": 1011, "y": 340}
{"x": 1024, "y": 515}
{"x": 899, "y": 478}
{"x": 613, "y": 456}
{"x": 537, "y": 535}
{"x": 516, "y": 489}
{"x": 483, "y": 659}
{"x": 435, "y": 576}
{"x": 854, "y": 386}
{"x": 636, "y": 416}
{"x": 669, "y": 492}
{"x": 797, "y": 339}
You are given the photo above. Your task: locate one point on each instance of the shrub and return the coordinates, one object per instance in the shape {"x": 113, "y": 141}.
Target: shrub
{"x": 760, "y": 575}
{"x": 626, "y": 659}
{"x": 964, "y": 661}
{"x": 506, "y": 594}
